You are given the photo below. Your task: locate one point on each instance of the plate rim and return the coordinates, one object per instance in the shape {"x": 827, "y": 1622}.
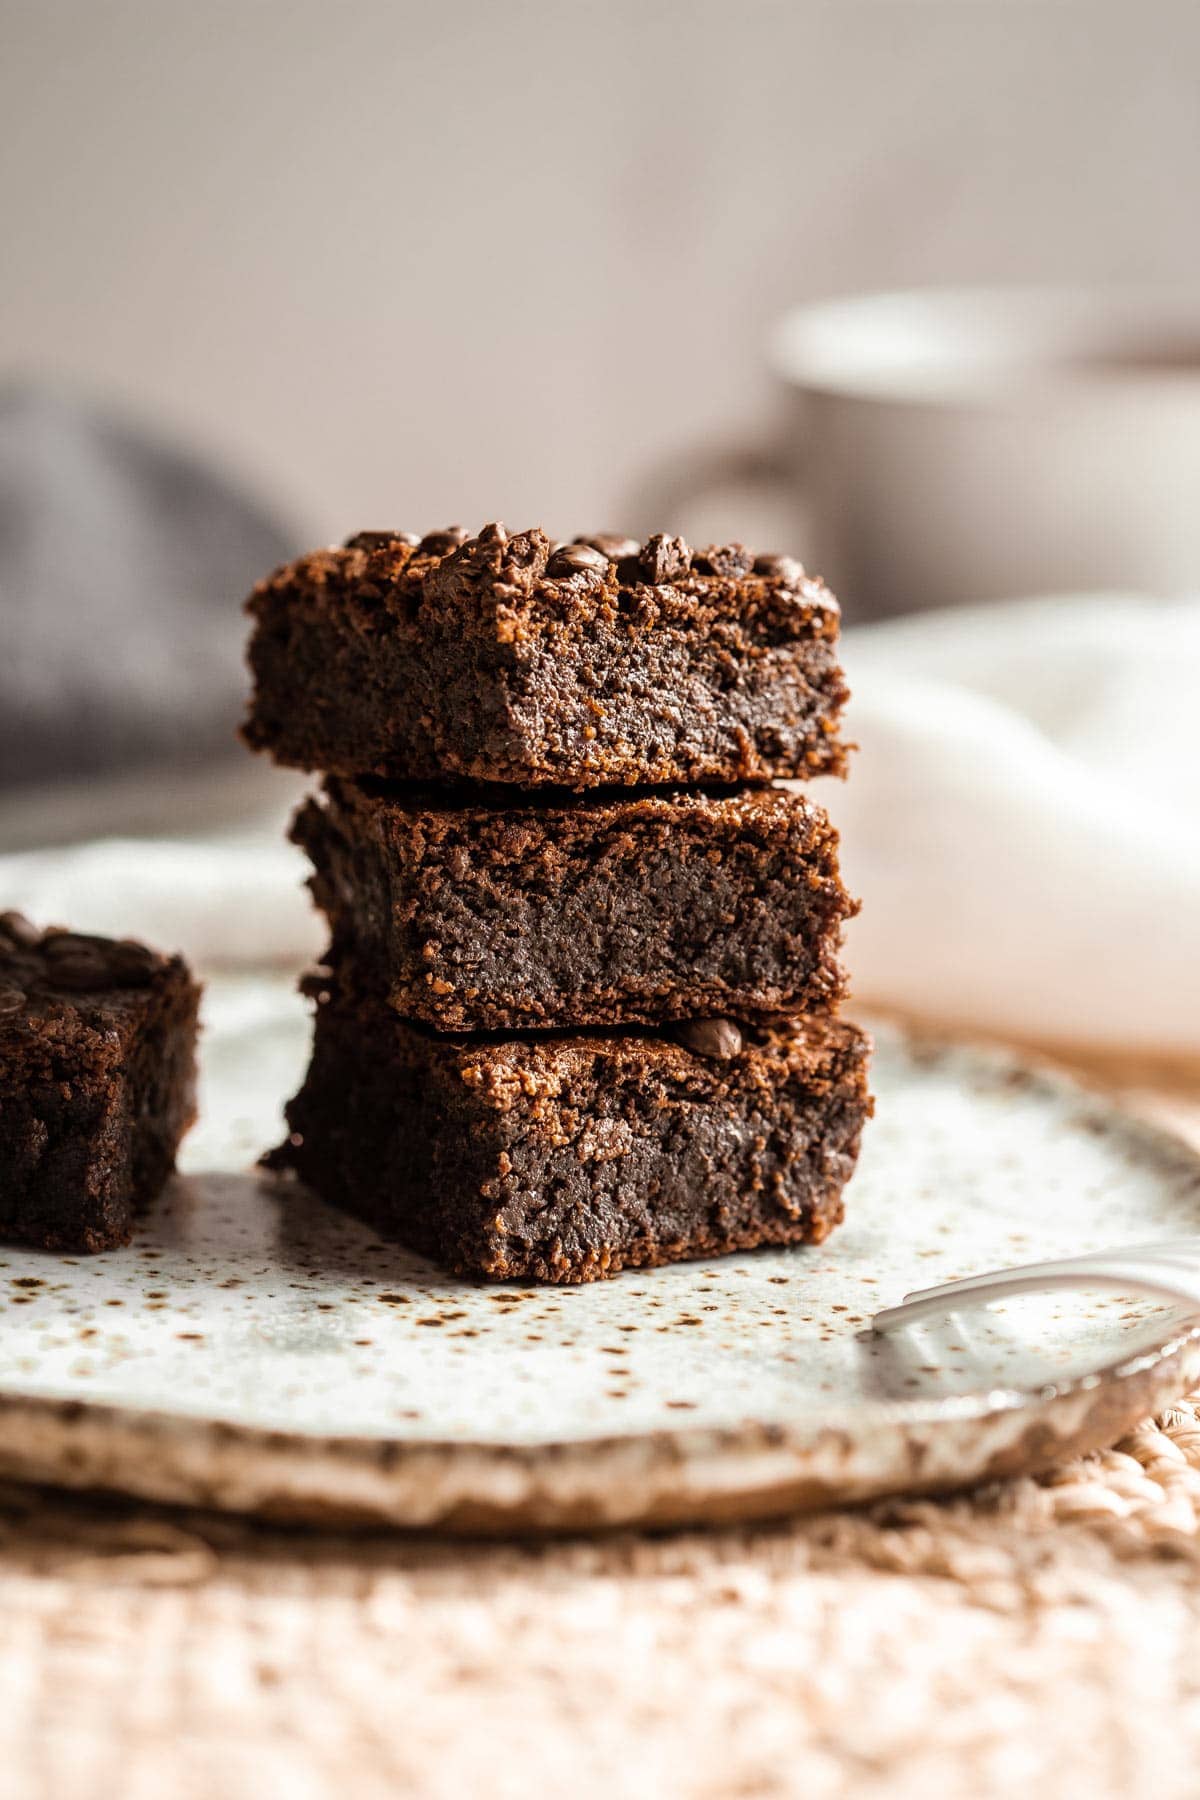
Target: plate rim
{"x": 675, "y": 1475}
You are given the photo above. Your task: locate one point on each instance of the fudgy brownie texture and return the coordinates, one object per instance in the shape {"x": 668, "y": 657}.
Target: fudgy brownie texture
{"x": 500, "y": 658}
{"x": 603, "y": 909}
{"x": 568, "y": 1158}
{"x": 97, "y": 1082}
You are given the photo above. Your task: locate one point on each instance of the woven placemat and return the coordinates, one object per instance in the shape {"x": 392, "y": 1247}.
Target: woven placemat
{"x": 1038, "y": 1634}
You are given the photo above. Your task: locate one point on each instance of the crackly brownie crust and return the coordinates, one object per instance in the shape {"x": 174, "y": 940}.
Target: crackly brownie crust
{"x": 97, "y": 1082}
{"x": 566, "y": 1158}
{"x": 501, "y": 659}
{"x": 602, "y": 909}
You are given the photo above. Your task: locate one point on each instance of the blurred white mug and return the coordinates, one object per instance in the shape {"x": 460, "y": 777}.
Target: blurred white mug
{"x": 970, "y": 444}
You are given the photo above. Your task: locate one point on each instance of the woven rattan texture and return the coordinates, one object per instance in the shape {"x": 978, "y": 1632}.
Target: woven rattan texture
{"x": 1041, "y": 1632}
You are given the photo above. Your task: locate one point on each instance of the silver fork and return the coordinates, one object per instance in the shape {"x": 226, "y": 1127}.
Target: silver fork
{"x": 1169, "y": 1270}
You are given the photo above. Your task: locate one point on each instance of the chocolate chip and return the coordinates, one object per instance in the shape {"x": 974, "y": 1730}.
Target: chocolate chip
{"x": 610, "y": 544}
{"x": 19, "y": 930}
{"x": 83, "y": 972}
{"x": 75, "y": 959}
{"x": 730, "y": 560}
{"x": 12, "y": 999}
{"x": 493, "y": 534}
{"x": 58, "y": 943}
{"x": 131, "y": 964}
{"x": 381, "y": 540}
{"x": 577, "y": 559}
{"x": 780, "y": 568}
{"x": 718, "y": 1038}
{"x": 441, "y": 543}
{"x": 665, "y": 558}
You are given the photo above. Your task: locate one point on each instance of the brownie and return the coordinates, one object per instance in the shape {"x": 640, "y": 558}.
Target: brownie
{"x": 97, "y": 1082}
{"x": 604, "y": 909}
{"x": 500, "y": 658}
{"x": 565, "y": 1158}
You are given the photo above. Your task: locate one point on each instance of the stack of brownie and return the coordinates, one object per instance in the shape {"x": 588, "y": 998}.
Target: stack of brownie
{"x": 579, "y": 1012}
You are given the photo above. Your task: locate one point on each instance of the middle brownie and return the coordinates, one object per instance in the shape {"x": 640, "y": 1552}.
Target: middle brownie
{"x": 601, "y": 910}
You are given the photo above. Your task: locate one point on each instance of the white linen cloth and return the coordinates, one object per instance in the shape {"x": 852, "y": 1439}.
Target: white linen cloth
{"x": 1022, "y": 822}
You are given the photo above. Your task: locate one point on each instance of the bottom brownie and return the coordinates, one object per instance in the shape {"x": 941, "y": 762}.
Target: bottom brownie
{"x": 567, "y": 1158}
{"x": 97, "y": 1082}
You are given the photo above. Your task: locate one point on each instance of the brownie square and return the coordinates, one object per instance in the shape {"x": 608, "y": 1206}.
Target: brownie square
{"x": 501, "y": 659}
{"x": 567, "y": 1158}
{"x": 602, "y": 910}
{"x": 97, "y": 1082}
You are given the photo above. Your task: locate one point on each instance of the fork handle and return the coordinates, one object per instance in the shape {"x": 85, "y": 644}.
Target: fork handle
{"x": 1160, "y": 1281}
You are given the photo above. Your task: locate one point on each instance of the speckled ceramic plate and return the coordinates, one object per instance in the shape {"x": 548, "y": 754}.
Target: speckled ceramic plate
{"x": 255, "y": 1351}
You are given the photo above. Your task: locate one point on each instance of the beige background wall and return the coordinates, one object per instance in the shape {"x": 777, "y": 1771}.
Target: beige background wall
{"x": 410, "y": 263}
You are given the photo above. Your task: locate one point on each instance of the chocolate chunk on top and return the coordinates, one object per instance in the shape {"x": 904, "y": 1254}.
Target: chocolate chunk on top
{"x": 612, "y": 545}
{"x": 382, "y": 540}
{"x": 665, "y": 558}
{"x": 441, "y": 543}
{"x": 74, "y": 961}
{"x": 16, "y": 929}
{"x": 573, "y": 559}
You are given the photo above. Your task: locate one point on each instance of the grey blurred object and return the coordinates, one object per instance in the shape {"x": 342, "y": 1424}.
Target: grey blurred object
{"x": 123, "y": 562}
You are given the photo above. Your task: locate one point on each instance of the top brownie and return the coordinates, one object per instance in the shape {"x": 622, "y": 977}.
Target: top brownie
{"x": 502, "y": 658}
